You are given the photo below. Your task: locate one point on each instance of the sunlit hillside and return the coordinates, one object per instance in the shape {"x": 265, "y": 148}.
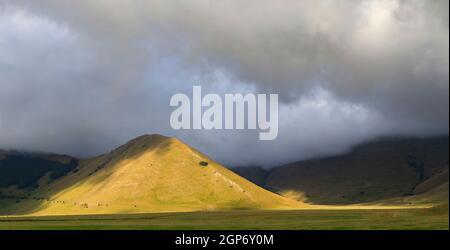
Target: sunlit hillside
{"x": 148, "y": 174}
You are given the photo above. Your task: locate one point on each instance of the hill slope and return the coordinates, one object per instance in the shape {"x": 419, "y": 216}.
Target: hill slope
{"x": 148, "y": 174}
{"x": 416, "y": 169}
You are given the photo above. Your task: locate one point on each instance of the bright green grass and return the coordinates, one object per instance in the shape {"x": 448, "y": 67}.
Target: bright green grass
{"x": 302, "y": 219}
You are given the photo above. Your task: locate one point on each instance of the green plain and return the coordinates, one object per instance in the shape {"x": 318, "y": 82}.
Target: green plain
{"x": 396, "y": 219}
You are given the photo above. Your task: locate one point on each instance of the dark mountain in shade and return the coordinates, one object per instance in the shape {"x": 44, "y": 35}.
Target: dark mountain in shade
{"x": 24, "y": 170}
{"x": 382, "y": 169}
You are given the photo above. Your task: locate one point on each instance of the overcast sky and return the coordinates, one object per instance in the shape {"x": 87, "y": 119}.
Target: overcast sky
{"x": 82, "y": 77}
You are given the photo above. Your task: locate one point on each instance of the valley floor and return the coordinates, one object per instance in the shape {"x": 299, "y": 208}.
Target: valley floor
{"x": 333, "y": 219}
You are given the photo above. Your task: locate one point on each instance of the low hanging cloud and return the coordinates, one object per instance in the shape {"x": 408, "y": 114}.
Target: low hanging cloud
{"x": 82, "y": 77}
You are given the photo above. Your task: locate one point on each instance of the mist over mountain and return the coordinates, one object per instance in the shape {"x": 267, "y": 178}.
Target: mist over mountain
{"x": 82, "y": 77}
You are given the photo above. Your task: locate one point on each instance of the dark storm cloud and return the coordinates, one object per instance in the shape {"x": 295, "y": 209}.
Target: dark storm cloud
{"x": 82, "y": 77}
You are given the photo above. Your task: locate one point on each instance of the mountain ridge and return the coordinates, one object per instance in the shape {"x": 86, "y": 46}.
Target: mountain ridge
{"x": 155, "y": 173}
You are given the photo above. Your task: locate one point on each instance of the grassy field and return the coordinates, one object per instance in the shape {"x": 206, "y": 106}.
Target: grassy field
{"x": 435, "y": 218}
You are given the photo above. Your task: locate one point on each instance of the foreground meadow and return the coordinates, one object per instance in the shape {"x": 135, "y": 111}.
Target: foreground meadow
{"x": 376, "y": 219}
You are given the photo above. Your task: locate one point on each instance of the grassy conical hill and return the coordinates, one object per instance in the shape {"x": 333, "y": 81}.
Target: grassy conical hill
{"x": 150, "y": 174}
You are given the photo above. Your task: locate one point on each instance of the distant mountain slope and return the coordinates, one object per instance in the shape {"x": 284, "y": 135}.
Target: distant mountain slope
{"x": 148, "y": 174}
{"x": 24, "y": 170}
{"x": 370, "y": 172}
